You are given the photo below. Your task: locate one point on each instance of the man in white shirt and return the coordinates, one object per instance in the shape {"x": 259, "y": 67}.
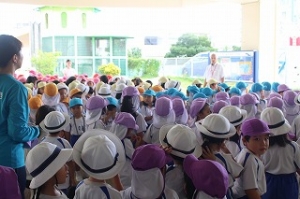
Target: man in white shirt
{"x": 214, "y": 71}
{"x": 69, "y": 71}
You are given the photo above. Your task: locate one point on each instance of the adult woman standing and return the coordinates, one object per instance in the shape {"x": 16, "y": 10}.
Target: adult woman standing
{"x": 14, "y": 111}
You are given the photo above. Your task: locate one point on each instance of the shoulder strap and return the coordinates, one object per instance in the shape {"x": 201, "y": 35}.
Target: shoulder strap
{"x": 222, "y": 159}
{"x": 170, "y": 168}
{"x": 290, "y": 143}
{"x": 246, "y": 158}
{"x": 105, "y": 191}
{"x": 80, "y": 183}
{"x": 62, "y": 143}
{"x": 125, "y": 150}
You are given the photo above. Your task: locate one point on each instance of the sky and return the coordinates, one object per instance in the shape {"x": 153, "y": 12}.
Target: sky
{"x": 221, "y": 21}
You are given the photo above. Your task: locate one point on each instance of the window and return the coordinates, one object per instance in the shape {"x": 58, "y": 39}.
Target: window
{"x": 119, "y": 47}
{"x": 83, "y": 18}
{"x": 84, "y": 46}
{"x": 102, "y": 47}
{"x": 64, "y": 20}
{"x": 65, "y": 45}
{"x": 46, "y": 21}
{"x": 150, "y": 41}
{"x": 47, "y": 44}
{"x": 85, "y": 66}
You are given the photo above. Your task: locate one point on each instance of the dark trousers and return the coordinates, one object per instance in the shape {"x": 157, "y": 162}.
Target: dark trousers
{"x": 21, "y": 173}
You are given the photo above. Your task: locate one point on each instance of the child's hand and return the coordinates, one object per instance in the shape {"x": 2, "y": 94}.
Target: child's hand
{"x": 208, "y": 154}
{"x": 167, "y": 149}
{"x": 225, "y": 149}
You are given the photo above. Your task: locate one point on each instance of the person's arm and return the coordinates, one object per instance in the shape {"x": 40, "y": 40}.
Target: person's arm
{"x": 17, "y": 120}
{"x": 252, "y": 194}
{"x": 222, "y": 80}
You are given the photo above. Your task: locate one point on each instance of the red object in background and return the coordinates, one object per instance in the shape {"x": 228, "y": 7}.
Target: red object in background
{"x": 294, "y": 41}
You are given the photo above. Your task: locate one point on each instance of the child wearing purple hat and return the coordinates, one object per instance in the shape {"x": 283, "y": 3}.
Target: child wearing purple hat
{"x": 149, "y": 164}
{"x": 292, "y": 109}
{"x": 198, "y": 111}
{"x": 248, "y": 103}
{"x": 162, "y": 114}
{"x": 181, "y": 115}
{"x": 94, "y": 109}
{"x": 123, "y": 127}
{"x": 252, "y": 182}
{"x": 210, "y": 178}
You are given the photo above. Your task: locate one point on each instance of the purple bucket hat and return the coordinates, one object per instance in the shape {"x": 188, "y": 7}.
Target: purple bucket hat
{"x": 282, "y": 88}
{"x": 126, "y": 119}
{"x": 274, "y": 95}
{"x": 221, "y": 96}
{"x": 9, "y": 183}
{"x": 218, "y": 105}
{"x": 289, "y": 97}
{"x": 200, "y": 173}
{"x": 178, "y": 106}
{"x": 248, "y": 99}
{"x": 96, "y": 102}
{"x": 235, "y": 101}
{"x": 197, "y": 106}
{"x": 163, "y": 106}
{"x": 255, "y": 127}
{"x": 148, "y": 157}
{"x": 130, "y": 91}
{"x": 275, "y": 102}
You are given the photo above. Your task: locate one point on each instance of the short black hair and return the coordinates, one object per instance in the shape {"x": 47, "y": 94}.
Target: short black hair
{"x": 9, "y": 46}
{"x": 280, "y": 140}
{"x": 91, "y": 90}
{"x": 68, "y": 60}
{"x": 104, "y": 79}
{"x": 31, "y": 79}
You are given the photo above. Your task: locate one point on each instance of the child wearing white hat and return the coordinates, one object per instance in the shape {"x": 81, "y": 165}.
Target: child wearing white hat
{"x": 281, "y": 159}
{"x": 124, "y": 126}
{"x": 235, "y": 116}
{"x": 63, "y": 90}
{"x": 53, "y": 124}
{"x": 215, "y": 128}
{"x": 46, "y": 163}
{"x": 182, "y": 140}
{"x": 101, "y": 155}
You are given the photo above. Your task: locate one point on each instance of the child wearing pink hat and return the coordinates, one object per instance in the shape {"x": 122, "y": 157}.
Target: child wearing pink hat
{"x": 252, "y": 182}
{"x": 123, "y": 127}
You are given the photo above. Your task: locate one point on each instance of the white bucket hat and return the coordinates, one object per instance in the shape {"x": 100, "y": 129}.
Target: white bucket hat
{"x": 54, "y": 122}
{"x": 173, "y": 84}
{"x": 83, "y": 88}
{"x": 217, "y": 126}
{"x": 234, "y": 114}
{"x": 43, "y": 161}
{"x": 104, "y": 91}
{"x": 99, "y": 153}
{"x": 62, "y": 85}
{"x": 181, "y": 138}
{"x": 276, "y": 121}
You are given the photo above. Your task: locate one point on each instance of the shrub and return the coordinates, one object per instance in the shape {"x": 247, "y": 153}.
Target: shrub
{"x": 109, "y": 69}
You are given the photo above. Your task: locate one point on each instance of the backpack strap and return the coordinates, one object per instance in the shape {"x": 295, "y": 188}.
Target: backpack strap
{"x": 125, "y": 150}
{"x": 105, "y": 191}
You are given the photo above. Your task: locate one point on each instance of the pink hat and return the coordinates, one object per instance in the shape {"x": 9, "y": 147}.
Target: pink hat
{"x": 221, "y": 96}
{"x": 9, "y": 186}
{"x": 289, "y": 97}
{"x": 22, "y": 79}
{"x": 96, "y": 102}
{"x": 254, "y": 127}
{"x": 163, "y": 106}
{"x": 148, "y": 157}
{"x": 235, "y": 101}
{"x": 130, "y": 91}
{"x": 218, "y": 105}
{"x": 282, "y": 88}
{"x": 178, "y": 106}
{"x": 96, "y": 80}
{"x": 126, "y": 119}
{"x": 197, "y": 106}
{"x": 207, "y": 176}
{"x": 248, "y": 99}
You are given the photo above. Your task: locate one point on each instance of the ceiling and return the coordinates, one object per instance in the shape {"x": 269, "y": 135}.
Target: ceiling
{"x": 124, "y": 3}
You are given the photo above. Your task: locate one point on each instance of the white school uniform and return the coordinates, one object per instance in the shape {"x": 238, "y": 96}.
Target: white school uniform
{"x": 291, "y": 112}
{"x": 99, "y": 124}
{"x": 203, "y": 195}
{"x": 95, "y": 190}
{"x": 63, "y": 108}
{"x": 77, "y": 126}
{"x": 62, "y": 144}
{"x": 140, "y": 121}
{"x": 168, "y": 194}
{"x": 146, "y": 112}
{"x": 126, "y": 172}
{"x": 175, "y": 180}
{"x": 62, "y": 196}
{"x": 295, "y": 132}
{"x": 233, "y": 148}
{"x": 282, "y": 160}
{"x": 253, "y": 176}
{"x": 233, "y": 168}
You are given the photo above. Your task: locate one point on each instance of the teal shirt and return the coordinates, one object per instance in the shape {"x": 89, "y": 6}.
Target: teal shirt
{"x": 14, "y": 129}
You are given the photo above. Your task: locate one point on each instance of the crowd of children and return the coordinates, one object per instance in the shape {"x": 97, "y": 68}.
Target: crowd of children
{"x": 134, "y": 139}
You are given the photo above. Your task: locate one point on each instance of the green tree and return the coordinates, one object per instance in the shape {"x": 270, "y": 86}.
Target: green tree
{"x": 189, "y": 45}
{"x": 135, "y": 52}
{"x": 45, "y": 62}
{"x": 236, "y": 48}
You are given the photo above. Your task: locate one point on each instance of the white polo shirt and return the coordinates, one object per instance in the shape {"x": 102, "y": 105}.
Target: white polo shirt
{"x": 214, "y": 72}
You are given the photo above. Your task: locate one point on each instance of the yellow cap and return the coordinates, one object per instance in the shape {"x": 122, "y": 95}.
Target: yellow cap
{"x": 51, "y": 89}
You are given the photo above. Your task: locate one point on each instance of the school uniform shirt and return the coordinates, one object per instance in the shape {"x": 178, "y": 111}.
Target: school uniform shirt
{"x": 62, "y": 144}
{"x": 291, "y": 112}
{"x": 233, "y": 168}
{"x": 282, "y": 160}
{"x": 146, "y": 112}
{"x": 168, "y": 194}
{"x": 77, "y": 126}
{"x": 62, "y": 107}
{"x": 214, "y": 72}
{"x": 99, "y": 124}
{"x": 62, "y": 196}
{"x": 233, "y": 148}
{"x": 295, "y": 132}
{"x": 140, "y": 121}
{"x": 203, "y": 195}
{"x": 175, "y": 180}
{"x": 87, "y": 189}
{"x": 253, "y": 175}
